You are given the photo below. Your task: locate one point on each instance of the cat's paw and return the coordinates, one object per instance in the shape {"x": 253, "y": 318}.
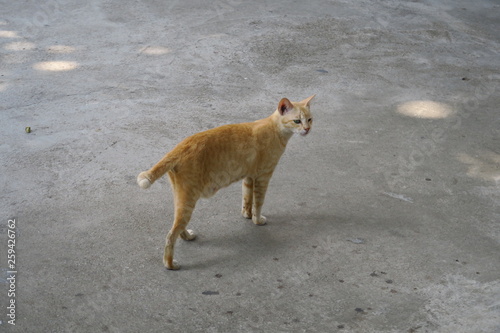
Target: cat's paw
{"x": 175, "y": 266}
{"x": 246, "y": 214}
{"x": 259, "y": 220}
{"x": 188, "y": 235}
{"x": 143, "y": 180}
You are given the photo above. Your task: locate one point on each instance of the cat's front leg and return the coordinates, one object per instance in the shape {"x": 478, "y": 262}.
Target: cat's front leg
{"x": 247, "y": 201}
{"x": 259, "y": 194}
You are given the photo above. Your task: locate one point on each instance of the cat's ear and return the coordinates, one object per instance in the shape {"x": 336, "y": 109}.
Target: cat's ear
{"x": 307, "y": 100}
{"x": 285, "y": 106}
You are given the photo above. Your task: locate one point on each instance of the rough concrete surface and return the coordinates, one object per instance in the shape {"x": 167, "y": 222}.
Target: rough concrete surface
{"x": 384, "y": 219}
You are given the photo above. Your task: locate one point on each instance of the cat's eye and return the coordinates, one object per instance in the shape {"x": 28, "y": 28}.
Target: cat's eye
{"x": 310, "y": 120}
{"x": 297, "y": 121}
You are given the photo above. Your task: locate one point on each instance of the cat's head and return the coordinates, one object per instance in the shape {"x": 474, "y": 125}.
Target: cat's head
{"x": 295, "y": 116}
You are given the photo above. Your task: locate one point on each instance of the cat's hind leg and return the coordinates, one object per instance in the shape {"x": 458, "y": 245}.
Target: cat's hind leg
{"x": 183, "y": 211}
{"x": 247, "y": 201}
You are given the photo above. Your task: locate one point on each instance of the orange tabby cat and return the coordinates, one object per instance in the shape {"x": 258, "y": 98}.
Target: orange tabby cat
{"x": 205, "y": 162}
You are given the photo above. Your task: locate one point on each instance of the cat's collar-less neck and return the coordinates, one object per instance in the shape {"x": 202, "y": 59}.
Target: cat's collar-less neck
{"x": 284, "y": 134}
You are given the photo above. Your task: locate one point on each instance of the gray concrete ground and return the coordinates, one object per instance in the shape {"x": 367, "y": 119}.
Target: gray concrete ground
{"x": 384, "y": 219}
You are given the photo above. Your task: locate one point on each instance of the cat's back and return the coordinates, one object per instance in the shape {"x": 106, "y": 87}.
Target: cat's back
{"x": 218, "y": 142}
{"x": 222, "y": 136}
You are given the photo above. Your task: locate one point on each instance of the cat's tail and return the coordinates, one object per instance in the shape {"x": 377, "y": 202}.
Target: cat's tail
{"x": 144, "y": 180}
{"x": 147, "y": 178}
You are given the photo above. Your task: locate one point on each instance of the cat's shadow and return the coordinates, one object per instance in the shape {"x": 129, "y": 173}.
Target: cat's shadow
{"x": 248, "y": 243}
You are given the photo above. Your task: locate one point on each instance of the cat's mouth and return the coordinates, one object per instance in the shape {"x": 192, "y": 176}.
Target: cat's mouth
{"x": 304, "y": 132}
